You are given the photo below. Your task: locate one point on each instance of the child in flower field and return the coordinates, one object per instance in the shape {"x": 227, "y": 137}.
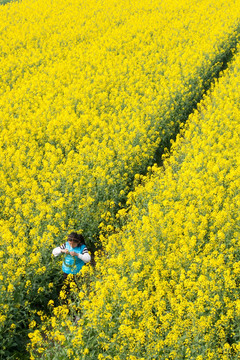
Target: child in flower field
{"x": 76, "y": 254}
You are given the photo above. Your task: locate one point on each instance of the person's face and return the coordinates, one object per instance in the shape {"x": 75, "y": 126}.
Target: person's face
{"x": 73, "y": 243}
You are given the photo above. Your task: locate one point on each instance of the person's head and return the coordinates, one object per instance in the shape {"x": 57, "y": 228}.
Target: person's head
{"x": 75, "y": 239}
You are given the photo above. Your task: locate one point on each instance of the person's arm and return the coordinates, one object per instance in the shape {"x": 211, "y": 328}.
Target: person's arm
{"x": 58, "y": 250}
{"x": 85, "y": 256}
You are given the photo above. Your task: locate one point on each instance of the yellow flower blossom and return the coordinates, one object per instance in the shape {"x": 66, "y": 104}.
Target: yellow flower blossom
{"x": 90, "y": 93}
{"x": 32, "y": 324}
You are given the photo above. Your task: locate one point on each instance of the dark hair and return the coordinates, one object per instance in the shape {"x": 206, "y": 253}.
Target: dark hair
{"x": 76, "y": 237}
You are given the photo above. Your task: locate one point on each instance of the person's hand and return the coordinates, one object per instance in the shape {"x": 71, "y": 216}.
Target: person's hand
{"x": 65, "y": 251}
{"x": 73, "y": 253}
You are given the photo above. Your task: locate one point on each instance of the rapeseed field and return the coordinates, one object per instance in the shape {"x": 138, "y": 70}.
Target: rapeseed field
{"x": 91, "y": 92}
{"x": 168, "y": 285}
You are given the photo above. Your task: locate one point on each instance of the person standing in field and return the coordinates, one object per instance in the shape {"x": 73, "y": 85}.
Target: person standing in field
{"x": 75, "y": 254}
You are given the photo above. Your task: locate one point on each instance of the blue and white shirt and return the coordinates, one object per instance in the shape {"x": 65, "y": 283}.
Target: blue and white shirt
{"x": 73, "y": 264}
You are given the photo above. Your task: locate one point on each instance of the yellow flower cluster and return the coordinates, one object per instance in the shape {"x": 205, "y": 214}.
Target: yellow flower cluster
{"x": 88, "y": 92}
{"x": 169, "y": 287}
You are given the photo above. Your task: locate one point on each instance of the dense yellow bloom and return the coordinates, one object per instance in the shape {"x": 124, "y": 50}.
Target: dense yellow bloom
{"x": 169, "y": 285}
{"x": 35, "y": 337}
{"x": 89, "y": 90}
